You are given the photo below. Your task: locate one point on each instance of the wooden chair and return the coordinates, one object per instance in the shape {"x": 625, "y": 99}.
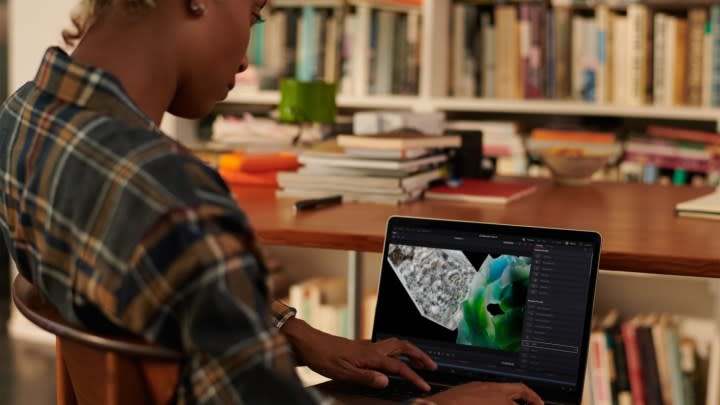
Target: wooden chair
{"x": 94, "y": 369}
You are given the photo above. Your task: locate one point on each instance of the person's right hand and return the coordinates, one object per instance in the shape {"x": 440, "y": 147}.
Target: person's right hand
{"x": 483, "y": 393}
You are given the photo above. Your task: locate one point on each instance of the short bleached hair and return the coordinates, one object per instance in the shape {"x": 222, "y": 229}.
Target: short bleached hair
{"x": 86, "y": 11}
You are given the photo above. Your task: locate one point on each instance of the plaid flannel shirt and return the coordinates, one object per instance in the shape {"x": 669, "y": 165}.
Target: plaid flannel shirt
{"x": 115, "y": 222}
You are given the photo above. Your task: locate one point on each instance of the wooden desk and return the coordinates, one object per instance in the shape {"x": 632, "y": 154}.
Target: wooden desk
{"x": 640, "y": 232}
{"x": 637, "y": 222}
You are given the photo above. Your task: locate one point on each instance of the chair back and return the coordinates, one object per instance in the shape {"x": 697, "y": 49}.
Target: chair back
{"x": 97, "y": 369}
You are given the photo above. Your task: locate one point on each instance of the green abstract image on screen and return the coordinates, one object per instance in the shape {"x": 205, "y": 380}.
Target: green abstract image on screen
{"x": 493, "y": 313}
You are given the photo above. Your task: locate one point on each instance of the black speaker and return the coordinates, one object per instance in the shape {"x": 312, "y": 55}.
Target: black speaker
{"x": 469, "y": 161}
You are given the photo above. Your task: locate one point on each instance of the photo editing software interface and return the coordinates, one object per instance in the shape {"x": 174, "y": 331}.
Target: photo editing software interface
{"x": 484, "y": 304}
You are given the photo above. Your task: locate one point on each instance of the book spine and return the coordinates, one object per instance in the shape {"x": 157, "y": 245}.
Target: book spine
{"x": 634, "y": 363}
{"x": 534, "y": 81}
{"x": 549, "y": 51}
{"x": 576, "y": 79}
{"x": 589, "y": 66}
{"x": 658, "y": 337}
{"x": 330, "y": 72}
{"x": 561, "y": 49}
{"x": 681, "y": 79}
{"x": 637, "y": 15}
{"x": 715, "y": 81}
{"x": 670, "y": 61}
{"x": 649, "y": 57}
{"x": 291, "y": 42}
{"x": 659, "y": 59}
{"x": 672, "y": 349}
{"x": 707, "y": 65}
{"x": 477, "y": 54}
{"x": 525, "y": 37}
{"x": 689, "y": 369}
{"x": 507, "y": 52}
{"x": 697, "y": 19}
{"x": 457, "y": 61}
{"x": 385, "y": 52}
{"x": 651, "y": 377}
{"x": 489, "y": 56}
{"x": 307, "y": 66}
{"x": 622, "y": 378}
{"x": 602, "y": 17}
{"x": 600, "y": 369}
{"x": 620, "y": 62}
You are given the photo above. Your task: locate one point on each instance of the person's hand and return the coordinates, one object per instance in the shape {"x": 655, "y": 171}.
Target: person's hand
{"x": 359, "y": 362}
{"x": 484, "y": 393}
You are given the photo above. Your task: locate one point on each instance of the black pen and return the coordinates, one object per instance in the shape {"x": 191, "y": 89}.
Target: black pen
{"x": 317, "y": 202}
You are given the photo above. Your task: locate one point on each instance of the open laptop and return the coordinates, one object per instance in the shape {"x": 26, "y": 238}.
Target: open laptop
{"x": 487, "y": 302}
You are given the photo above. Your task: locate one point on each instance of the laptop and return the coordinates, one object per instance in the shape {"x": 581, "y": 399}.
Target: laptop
{"x": 487, "y": 302}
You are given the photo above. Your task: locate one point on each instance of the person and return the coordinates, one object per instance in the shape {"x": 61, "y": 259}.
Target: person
{"x": 121, "y": 227}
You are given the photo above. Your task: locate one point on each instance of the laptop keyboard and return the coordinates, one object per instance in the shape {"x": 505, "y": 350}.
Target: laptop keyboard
{"x": 401, "y": 390}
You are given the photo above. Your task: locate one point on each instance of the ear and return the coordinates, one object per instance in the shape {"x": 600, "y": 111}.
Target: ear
{"x": 196, "y": 8}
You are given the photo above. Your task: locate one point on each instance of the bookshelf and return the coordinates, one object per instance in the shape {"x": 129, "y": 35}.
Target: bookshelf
{"x": 435, "y": 72}
{"x": 557, "y": 107}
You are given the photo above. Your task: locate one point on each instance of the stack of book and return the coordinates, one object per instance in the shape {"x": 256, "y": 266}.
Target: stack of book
{"x": 390, "y": 168}
{"x": 682, "y": 154}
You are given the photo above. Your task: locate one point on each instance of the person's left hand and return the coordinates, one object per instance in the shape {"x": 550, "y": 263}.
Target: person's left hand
{"x": 353, "y": 361}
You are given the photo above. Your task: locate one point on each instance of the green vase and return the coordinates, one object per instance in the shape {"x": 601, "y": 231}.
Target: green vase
{"x": 312, "y": 101}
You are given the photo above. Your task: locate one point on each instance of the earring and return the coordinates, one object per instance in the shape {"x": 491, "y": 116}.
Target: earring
{"x": 197, "y": 9}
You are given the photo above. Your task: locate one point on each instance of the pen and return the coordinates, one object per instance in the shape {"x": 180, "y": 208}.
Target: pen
{"x": 317, "y": 202}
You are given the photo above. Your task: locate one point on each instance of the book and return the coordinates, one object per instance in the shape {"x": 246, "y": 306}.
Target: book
{"x": 634, "y": 362}
{"x": 619, "y": 377}
{"x": 707, "y": 206}
{"x": 684, "y": 134}
{"x": 344, "y": 161}
{"x": 651, "y": 373}
{"x": 572, "y": 135}
{"x": 399, "y": 141}
{"x": 481, "y": 191}
{"x": 241, "y": 178}
{"x": 410, "y": 182}
{"x": 258, "y": 163}
{"x": 599, "y": 361}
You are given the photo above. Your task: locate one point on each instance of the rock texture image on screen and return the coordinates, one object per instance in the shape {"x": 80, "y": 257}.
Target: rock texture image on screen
{"x": 494, "y": 312}
{"x": 437, "y": 281}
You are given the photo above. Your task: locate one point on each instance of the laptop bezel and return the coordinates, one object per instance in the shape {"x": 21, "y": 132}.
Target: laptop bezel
{"x": 524, "y": 230}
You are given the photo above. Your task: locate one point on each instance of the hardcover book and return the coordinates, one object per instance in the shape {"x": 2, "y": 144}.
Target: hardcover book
{"x": 481, "y": 191}
{"x": 399, "y": 141}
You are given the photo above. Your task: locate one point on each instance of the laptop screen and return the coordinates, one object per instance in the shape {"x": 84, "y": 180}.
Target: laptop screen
{"x": 492, "y": 301}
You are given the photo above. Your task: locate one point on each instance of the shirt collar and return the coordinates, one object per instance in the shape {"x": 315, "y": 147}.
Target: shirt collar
{"x": 88, "y": 87}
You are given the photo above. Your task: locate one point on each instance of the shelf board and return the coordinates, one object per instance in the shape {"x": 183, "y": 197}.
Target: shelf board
{"x": 575, "y": 108}
{"x": 496, "y": 106}
{"x": 244, "y": 96}
{"x": 273, "y": 98}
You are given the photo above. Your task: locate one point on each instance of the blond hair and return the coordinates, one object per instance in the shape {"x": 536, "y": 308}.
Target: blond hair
{"x": 86, "y": 11}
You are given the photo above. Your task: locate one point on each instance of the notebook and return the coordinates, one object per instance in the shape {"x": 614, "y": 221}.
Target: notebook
{"x": 487, "y": 302}
{"x": 707, "y": 206}
{"x": 480, "y": 191}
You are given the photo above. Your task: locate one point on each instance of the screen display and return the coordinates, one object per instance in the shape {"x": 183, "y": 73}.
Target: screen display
{"x": 505, "y": 302}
